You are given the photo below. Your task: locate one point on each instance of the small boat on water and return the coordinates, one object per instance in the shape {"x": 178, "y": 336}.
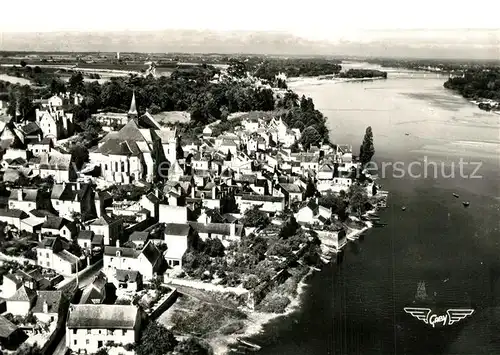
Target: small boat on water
{"x": 456, "y": 195}
{"x": 407, "y": 134}
{"x": 466, "y": 203}
{"x": 403, "y": 208}
{"x": 248, "y": 344}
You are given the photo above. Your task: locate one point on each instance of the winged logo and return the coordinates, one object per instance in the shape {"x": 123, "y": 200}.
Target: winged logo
{"x": 419, "y": 313}
{"x": 456, "y": 315}
{"x": 453, "y": 315}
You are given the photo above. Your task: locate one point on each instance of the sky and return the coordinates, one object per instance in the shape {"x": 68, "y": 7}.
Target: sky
{"x": 312, "y": 19}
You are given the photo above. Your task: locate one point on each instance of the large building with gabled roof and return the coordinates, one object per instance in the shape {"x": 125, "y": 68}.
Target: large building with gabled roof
{"x": 133, "y": 152}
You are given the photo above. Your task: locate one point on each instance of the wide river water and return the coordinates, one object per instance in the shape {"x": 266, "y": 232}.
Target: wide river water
{"x": 356, "y": 306}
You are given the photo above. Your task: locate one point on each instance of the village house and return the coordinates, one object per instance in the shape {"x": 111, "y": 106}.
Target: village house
{"x": 110, "y": 228}
{"x": 13, "y": 217}
{"x": 146, "y": 261}
{"x": 88, "y": 240}
{"x": 90, "y": 326}
{"x": 313, "y": 213}
{"x": 225, "y": 232}
{"x": 268, "y": 204}
{"x": 177, "y": 238}
{"x": 207, "y": 131}
{"x": 55, "y": 164}
{"x": 292, "y": 192}
{"x": 24, "y": 199}
{"x": 139, "y": 239}
{"x": 48, "y": 305}
{"x": 54, "y": 123}
{"x": 38, "y": 147}
{"x": 73, "y": 198}
{"x": 95, "y": 292}
{"x": 59, "y": 226}
{"x": 21, "y": 302}
{"x": 51, "y": 255}
{"x": 173, "y": 214}
{"x": 151, "y": 202}
{"x": 10, "y": 335}
{"x": 127, "y": 281}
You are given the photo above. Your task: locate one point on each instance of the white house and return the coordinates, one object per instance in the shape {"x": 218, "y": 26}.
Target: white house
{"x": 146, "y": 261}
{"x": 109, "y": 228}
{"x": 90, "y": 326}
{"x": 51, "y": 255}
{"x": 176, "y": 238}
{"x": 24, "y": 199}
{"x": 20, "y": 303}
{"x": 269, "y": 204}
{"x": 173, "y": 214}
{"x": 313, "y": 213}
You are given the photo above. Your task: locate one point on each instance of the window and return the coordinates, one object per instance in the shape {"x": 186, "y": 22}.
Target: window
{"x": 47, "y": 255}
{"x": 87, "y": 341}
{"x": 123, "y": 260}
{"x": 110, "y": 331}
{"x": 64, "y": 231}
{"x": 88, "y": 331}
{"x": 124, "y": 332}
{"x": 74, "y": 341}
{"x": 74, "y": 332}
{"x": 99, "y": 331}
{"x": 48, "y": 264}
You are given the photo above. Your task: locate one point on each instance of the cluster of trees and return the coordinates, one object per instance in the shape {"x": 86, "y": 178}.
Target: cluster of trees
{"x": 185, "y": 90}
{"x": 301, "y": 114}
{"x": 20, "y": 101}
{"x": 269, "y": 68}
{"x": 444, "y": 65}
{"x": 477, "y": 84}
{"x": 156, "y": 339}
{"x": 363, "y": 73}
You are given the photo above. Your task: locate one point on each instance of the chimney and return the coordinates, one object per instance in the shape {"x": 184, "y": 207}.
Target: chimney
{"x": 118, "y": 243}
{"x": 232, "y": 229}
{"x": 40, "y": 237}
{"x": 45, "y": 307}
{"x": 73, "y": 187}
{"x": 20, "y": 195}
{"x": 214, "y": 192}
{"x": 193, "y": 191}
{"x": 78, "y": 186}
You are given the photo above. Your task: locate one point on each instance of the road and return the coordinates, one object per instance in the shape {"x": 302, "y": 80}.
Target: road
{"x": 83, "y": 282}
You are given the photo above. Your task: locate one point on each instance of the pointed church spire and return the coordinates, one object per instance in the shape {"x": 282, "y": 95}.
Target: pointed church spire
{"x": 133, "y": 109}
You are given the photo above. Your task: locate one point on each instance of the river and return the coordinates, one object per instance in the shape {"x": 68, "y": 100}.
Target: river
{"x": 356, "y": 306}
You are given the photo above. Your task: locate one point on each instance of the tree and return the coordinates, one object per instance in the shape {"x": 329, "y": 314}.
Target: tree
{"x": 254, "y": 217}
{"x": 26, "y": 349}
{"x": 91, "y": 129}
{"x": 79, "y": 155}
{"x": 23, "y": 63}
{"x": 310, "y": 189}
{"x": 76, "y": 83}
{"x": 193, "y": 346}
{"x": 102, "y": 351}
{"x": 358, "y": 198}
{"x": 214, "y": 247}
{"x": 367, "y": 149}
{"x": 156, "y": 340}
{"x": 57, "y": 86}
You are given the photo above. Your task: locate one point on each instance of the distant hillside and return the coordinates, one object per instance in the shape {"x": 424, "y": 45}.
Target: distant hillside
{"x": 467, "y": 44}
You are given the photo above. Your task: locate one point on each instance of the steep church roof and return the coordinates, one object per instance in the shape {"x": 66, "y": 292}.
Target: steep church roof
{"x": 133, "y": 108}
